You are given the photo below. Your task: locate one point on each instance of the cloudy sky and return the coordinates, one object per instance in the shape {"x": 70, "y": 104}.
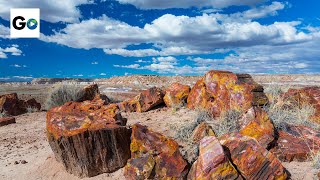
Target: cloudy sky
{"x": 103, "y": 38}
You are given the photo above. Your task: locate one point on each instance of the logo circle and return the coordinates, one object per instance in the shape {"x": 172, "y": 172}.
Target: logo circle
{"x": 32, "y": 24}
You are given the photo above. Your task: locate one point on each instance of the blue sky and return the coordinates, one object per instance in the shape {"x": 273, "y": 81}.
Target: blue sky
{"x": 104, "y": 38}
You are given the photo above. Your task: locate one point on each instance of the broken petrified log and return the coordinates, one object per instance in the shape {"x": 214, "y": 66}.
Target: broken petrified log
{"x": 256, "y": 124}
{"x": 251, "y": 159}
{"x": 88, "y": 138}
{"x": 176, "y": 95}
{"x": 212, "y": 162}
{"x": 154, "y": 156}
{"x": 143, "y": 102}
{"x": 7, "y": 120}
{"x": 12, "y": 105}
{"x": 220, "y": 91}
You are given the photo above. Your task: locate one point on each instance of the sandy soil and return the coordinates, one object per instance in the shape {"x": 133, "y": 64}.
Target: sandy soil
{"x": 26, "y": 154}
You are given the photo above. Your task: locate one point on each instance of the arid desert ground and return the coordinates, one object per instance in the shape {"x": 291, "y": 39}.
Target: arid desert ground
{"x": 25, "y": 151}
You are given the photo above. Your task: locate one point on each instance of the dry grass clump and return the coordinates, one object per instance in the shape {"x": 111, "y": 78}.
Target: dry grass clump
{"x": 283, "y": 112}
{"x": 3, "y": 114}
{"x": 32, "y": 109}
{"x": 190, "y": 149}
{"x": 63, "y": 93}
{"x": 316, "y": 160}
{"x": 228, "y": 122}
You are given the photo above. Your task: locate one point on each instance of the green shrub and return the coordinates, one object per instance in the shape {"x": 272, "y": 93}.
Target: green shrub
{"x": 64, "y": 93}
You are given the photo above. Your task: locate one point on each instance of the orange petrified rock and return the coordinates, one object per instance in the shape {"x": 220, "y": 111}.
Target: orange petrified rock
{"x": 154, "y": 156}
{"x": 219, "y": 91}
{"x": 7, "y": 120}
{"x": 252, "y": 160}
{"x": 256, "y": 124}
{"x": 308, "y": 96}
{"x": 88, "y": 138}
{"x": 212, "y": 162}
{"x": 176, "y": 94}
{"x": 11, "y": 105}
{"x": 201, "y": 131}
{"x": 143, "y": 102}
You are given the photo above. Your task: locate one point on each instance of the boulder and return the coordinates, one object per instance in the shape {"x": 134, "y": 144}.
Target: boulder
{"x": 308, "y": 95}
{"x": 176, "y": 95}
{"x": 10, "y": 104}
{"x": 304, "y": 132}
{"x": 154, "y": 156}
{"x": 291, "y": 148}
{"x": 143, "y": 102}
{"x": 212, "y": 162}
{"x": 256, "y": 124}
{"x": 251, "y": 159}
{"x": 88, "y": 138}
{"x": 220, "y": 91}
{"x": 89, "y": 92}
{"x": 7, "y": 120}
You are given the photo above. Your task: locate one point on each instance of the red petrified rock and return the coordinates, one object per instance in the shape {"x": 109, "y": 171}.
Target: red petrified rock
{"x": 154, "y": 156}
{"x": 256, "y": 124}
{"x": 201, "y": 131}
{"x": 9, "y": 104}
{"x": 90, "y": 92}
{"x": 252, "y": 160}
{"x": 88, "y": 138}
{"x": 7, "y": 120}
{"x": 143, "y": 102}
{"x": 212, "y": 162}
{"x": 291, "y": 148}
{"x": 176, "y": 95}
{"x": 308, "y": 95}
{"x": 31, "y": 103}
{"x": 219, "y": 91}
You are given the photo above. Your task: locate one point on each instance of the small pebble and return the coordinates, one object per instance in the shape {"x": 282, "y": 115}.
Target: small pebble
{"x": 24, "y": 162}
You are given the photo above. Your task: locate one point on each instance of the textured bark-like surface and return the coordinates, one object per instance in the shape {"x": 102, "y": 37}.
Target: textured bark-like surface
{"x": 7, "y": 120}
{"x": 201, "y": 131}
{"x": 11, "y": 105}
{"x": 90, "y": 92}
{"x": 252, "y": 160}
{"x": 212, "y": 162}
{"x": 143, "y": 102}
{"x": 291, "y": 148}
{"x": 88, "y": 138}
{"x": 176, "y": 95}
{"x": 154, "y": 156}
{"x": 308, "y": 95}
{"x": 220, "y": 91}
{"x": 256, "y": 124}
{"x": 304, "y": 132}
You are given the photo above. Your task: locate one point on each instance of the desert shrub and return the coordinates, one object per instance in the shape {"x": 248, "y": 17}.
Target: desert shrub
{"x": 3, "y": 114}
{"x": 63, "y": 93}
{"x": 283, "y": 112}
{"x": 316, "y": 160}
{"x": 32, "y": 109}
{"x": 190, "y": 149}
{"x": 228, "y": 122}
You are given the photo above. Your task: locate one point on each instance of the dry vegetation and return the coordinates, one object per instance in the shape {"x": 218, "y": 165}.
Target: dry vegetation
{"x": 63, "y": 93}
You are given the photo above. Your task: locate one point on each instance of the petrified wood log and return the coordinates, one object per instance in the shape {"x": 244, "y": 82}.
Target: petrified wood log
{"x": 7, "y": 120}
{"x": 88, "y": 138}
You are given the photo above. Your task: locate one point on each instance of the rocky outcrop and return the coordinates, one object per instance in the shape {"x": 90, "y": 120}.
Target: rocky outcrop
{"x": 251, "y": 159}
{"x": 256, "y": 124}
{"x": 143, "y": 102}
{"x": 10, "y": 104}
{"x": 176, "y": 95}
{"x": 305, "y": 96}
{"x": 154, "y": 156}
{"x": 88, "y": 138}
{"x": 212, "y": 162}
{"x": 220, "y": 91}
{"x": 7, "y": 120}
{"x": 90, "y": 92}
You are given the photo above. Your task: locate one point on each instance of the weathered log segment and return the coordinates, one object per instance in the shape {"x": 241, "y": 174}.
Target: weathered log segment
{"x": 220, "y": 91}
{"x": 88, "y": 138}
